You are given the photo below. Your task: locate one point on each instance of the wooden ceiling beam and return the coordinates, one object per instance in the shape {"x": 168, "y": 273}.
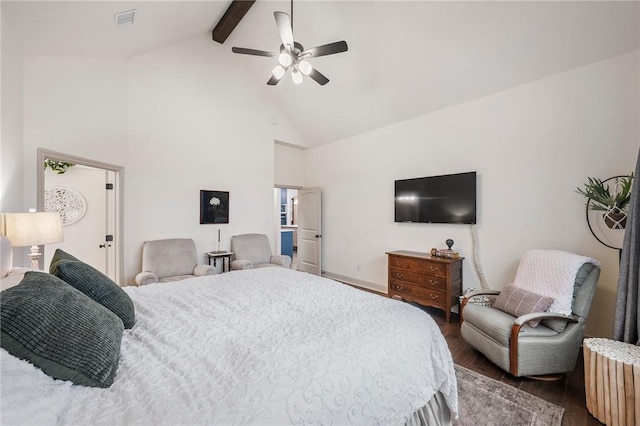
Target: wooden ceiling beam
{"x": 231, "y": 18}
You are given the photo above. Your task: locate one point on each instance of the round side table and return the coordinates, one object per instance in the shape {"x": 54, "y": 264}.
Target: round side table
{"x": 612, "y": 381}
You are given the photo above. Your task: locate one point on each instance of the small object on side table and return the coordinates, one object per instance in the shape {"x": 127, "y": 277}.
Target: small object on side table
{"x": 449, "y": 243}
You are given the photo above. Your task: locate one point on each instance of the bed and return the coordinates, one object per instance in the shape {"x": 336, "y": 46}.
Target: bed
{"x": 266, "y": 346}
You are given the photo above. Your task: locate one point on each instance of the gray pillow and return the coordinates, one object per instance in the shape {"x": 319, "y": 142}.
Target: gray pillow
{"x": 517, "y": 302}
{"x": 60, "y": 330}
{"x": 97, "y": 286}
{"x": 58, "y": 256}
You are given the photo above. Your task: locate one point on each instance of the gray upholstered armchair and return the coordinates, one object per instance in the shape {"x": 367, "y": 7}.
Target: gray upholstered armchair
{"x": 552, "y": 347}
{"x": 254, "y": 251}
{"x": 170, "y": 260}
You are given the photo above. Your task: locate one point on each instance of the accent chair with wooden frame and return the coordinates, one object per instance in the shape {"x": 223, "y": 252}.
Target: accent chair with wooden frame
{"x": 551, "y": 348}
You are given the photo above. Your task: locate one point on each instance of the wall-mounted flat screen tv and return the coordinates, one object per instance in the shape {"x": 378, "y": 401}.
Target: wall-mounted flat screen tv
{"x": 437, "y": 199}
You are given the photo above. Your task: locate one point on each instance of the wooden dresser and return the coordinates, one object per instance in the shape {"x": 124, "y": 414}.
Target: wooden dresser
{"x": 425, "y": 279}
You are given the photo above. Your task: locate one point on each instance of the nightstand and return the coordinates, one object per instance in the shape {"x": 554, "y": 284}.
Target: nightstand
{"x": 225, "y": 256}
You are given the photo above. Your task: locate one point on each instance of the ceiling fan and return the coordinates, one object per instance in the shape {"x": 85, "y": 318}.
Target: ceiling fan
{"x": 292, "y": 55}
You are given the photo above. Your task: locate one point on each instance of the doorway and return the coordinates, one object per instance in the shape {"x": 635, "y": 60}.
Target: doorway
{"x": 298, "y": 229}
{"x": 89, "y": 196}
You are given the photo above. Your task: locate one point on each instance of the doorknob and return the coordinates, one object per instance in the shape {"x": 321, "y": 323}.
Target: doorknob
{"x": 102, "y": 245}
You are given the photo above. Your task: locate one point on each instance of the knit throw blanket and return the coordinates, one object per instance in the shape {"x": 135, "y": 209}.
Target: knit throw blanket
{"x": 551, "y": 273}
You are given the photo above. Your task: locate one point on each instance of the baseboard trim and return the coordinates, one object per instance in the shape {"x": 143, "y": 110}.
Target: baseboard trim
{"x": 354, "y": 282}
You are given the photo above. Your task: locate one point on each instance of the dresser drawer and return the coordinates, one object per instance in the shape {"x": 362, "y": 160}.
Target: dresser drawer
{"x": 417, "y": 265}
{"x": 433, "y": 282}
{"x": 425, "y": 279}
{"x": 418, "y": 294}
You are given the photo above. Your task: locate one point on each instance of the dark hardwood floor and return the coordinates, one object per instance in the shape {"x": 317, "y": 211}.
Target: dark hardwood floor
{"x": 567, "y": 392}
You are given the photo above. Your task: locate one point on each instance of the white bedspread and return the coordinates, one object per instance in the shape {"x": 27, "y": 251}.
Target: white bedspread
{"x": 265, "y": 346}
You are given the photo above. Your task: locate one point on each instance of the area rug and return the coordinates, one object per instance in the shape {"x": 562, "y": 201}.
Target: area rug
{"x": 485, "y": 401}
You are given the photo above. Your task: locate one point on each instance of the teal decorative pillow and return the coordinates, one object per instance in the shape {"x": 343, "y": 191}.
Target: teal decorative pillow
{"x": 96, "y": 285}
{"x": 60, "y": 330}
{"x": 58, "y": 256}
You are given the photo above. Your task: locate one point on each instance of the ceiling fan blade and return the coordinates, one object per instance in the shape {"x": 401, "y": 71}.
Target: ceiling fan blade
{"x": 274, "y": 80}
{"x": 253, "y": 52}
{"x": 327, "y": 49}
{"x": 284, "y": 28}
{"x": 318, "y": 77}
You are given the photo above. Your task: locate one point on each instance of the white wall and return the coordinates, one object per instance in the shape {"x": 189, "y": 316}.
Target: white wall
{"x": 531, "y": 146}
{"x": 11, "y": 131}
{"x": 197, "y": 121}
{"x": 11, "y": 116}
{"x": 75, "y": 106}
{"x": 179, "y": 119}
{"x": 289, "y": 166}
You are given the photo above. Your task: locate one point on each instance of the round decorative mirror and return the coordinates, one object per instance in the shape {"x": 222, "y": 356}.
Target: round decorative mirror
{"x": 69, "y": 203}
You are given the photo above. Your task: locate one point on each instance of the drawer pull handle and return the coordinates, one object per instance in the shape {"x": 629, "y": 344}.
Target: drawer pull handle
{"x": 399, "y": 288}
{"x": 432, "y": 282}
{"x": 433, "y": 268}
{"x": 399, "y": 275}
{"x": 433, "y": 297}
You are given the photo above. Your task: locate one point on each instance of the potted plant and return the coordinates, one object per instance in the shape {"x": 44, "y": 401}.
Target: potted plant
{"x": 610, "y": 197}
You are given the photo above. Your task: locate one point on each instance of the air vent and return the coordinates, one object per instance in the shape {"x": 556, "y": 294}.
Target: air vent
{"x": 124, "y": 18}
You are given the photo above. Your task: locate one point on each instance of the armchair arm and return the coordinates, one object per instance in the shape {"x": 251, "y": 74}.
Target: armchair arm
{"x": 468, "y": 296}
{"x": 521, "y": 320}
{"x": 282, "y": 260}
{"x": 241, "y": 264}
{"x": 146, "y": 278}
{"x": 515, "y": 332}
{"x": 201, "y": 270}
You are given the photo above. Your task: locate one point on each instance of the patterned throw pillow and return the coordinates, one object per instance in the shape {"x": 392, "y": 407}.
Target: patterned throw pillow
{"x": 94, "y": 284}
{"x": 60, "y": 330}
{"x": 516, "y": 301}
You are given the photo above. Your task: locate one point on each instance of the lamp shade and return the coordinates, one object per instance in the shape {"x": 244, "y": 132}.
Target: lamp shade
{"x": 32, "y": 229}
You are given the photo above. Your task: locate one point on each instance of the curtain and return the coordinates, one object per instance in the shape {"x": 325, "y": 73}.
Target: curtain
{"x": 627, "y": 320}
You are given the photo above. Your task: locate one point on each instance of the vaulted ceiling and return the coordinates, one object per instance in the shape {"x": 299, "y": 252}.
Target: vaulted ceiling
{"x": 405, "y": 59}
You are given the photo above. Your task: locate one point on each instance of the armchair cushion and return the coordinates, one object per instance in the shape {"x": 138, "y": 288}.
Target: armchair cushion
{"x": 170, "y": 260}
{"x": 497, "y": 325}
{"x": 517, "y": 302}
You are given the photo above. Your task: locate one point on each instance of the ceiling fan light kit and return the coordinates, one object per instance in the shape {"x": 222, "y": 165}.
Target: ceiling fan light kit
{"x": 292, "y": 55}
{"x": 278, "y": 71}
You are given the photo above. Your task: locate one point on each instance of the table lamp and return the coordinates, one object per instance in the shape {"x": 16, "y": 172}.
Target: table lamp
{"x": 33, "y": 229}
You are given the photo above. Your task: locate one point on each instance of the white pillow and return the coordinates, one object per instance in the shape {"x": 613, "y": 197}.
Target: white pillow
{"x": 551, "y": 273}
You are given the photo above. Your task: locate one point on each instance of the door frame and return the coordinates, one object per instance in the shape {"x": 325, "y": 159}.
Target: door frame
{"x": 276, "y": 213}
{"x": 118, "y": 171}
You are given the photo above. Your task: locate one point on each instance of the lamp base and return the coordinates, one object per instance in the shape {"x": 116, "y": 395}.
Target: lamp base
{"x": 35, "y": 255}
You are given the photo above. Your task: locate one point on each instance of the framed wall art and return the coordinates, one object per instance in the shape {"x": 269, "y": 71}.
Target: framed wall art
{"x": 214, "y": 207}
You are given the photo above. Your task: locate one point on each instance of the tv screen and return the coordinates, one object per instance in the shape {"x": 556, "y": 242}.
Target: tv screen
{"x": 437, "y": 199}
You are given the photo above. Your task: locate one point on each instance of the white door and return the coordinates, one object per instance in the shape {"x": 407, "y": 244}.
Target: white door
{"x": 79, "y": 195}
{"x": 310, "y": 230}
{"x": 95, "y": 237}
